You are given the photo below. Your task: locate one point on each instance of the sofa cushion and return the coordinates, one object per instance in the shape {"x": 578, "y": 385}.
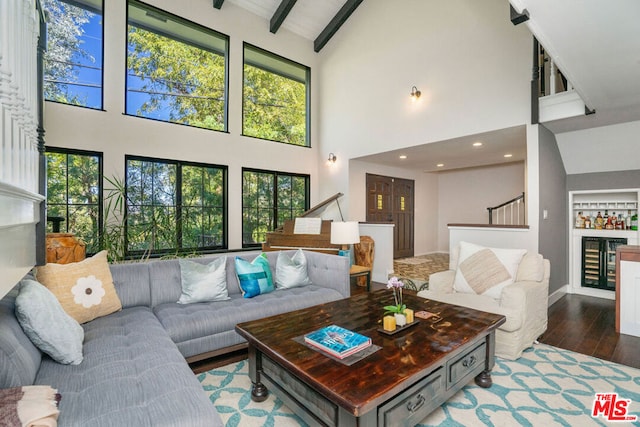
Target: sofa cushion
{"x": 479, "y": 302}
{"x": 19, "y": 358}
{"x": 291, "y": 271}
{"x": 202, "y": 283}
{"x": 255, "y": 277}
{"x": 85, "y": 289}
{"x": 486, "y": 271}
{"x": 132, "y": 375}
{"x": 196, "y": 331}
{"x": 47, "y": 325}
{"x": 132, "y": 283}
{"x": 165, "y": 278}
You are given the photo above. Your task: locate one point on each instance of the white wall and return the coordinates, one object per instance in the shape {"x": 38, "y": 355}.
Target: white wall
{"x": 116, "y": 134}
{"x": 471, "y": 64}
{"x": 464, "y": 195}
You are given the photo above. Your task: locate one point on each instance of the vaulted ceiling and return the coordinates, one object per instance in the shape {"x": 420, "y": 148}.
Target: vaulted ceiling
{"x": 596, "y": 45}
{"x": 312, "y": 19}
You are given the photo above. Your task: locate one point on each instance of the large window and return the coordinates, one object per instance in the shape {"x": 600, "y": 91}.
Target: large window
{"x": 176, "y": 70}
{"x": 268, "y": 200}
{"x": 73, "y": 60}
{"x": 174, "y": 207}
{"x": 275, "y": 98}
{"x": 74, "y": 194}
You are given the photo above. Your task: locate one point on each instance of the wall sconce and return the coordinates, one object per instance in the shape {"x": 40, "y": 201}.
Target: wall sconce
{"x": 332, "y": 159}
{"x": 415, "y": 93}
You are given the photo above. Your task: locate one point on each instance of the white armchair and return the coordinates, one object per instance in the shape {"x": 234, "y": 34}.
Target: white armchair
{"x": 524, "y": 303}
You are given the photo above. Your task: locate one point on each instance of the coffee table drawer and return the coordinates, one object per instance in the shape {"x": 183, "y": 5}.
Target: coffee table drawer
{"x": 471, "y": 363}
{"x": 415, "y": 403}
{"x": 317, "y": 405}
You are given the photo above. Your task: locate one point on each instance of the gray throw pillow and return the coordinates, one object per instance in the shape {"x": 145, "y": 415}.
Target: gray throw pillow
{"x": 291, "y": 271}
{"x": 47, "y": 325}
{"x": 203, "y": 282}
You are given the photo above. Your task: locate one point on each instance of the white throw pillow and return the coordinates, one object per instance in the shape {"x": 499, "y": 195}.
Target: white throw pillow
{"x": 203, "y": 282}
{"x": 47, "y": 325}
{"x": 291, "y": 271}
{"x": 486, "y": 271}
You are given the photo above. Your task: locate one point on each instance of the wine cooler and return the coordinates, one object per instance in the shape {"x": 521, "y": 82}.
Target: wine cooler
{"x": 599, "y": 261}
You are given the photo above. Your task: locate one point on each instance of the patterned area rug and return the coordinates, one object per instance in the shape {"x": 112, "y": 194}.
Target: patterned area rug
{"x": 547, "y": 387}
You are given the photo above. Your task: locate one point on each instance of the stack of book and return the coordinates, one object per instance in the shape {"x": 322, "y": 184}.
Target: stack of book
{"x": 337, "y": 341}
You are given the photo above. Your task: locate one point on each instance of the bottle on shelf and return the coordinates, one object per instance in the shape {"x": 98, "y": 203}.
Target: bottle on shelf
{"x": 587, "y": 222}
{"x": 609, "y": 224}
{"x": 627, "y": 221}
{"x": 599, "y": 221}
{"x": 579, "y": 220}
{"x": 634, "y": 221}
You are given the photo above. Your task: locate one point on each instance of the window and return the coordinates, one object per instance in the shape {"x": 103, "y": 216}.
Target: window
{"x": 174, "y": 206}
{"x": 176, "y": 70}
{"x": 275, "y": 98}
{"x": 268, "y": 200}
{"x": 74, "y": 194}
{"x": 73, "y": 60}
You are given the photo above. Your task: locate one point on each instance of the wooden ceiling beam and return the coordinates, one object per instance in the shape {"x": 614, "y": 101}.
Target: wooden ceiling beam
{"x": 281, "y": 14}
{"x": 217, "y": 3}
{"x": 518, "y": 18}
{"x": 341, "y": 17}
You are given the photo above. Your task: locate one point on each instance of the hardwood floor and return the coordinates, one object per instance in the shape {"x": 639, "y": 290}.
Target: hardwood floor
{"x": 587, "y": 325}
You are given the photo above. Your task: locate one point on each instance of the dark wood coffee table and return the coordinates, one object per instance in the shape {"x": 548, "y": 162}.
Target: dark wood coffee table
{"x": 413, "y": 373}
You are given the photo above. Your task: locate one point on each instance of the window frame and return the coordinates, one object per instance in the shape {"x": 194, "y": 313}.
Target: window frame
{"x": 100, "y": 195}
{"x": 129, "y": 254}
{"x": 290, "y": 63}
{"x": 162, "y": 14}
{"x": 275, "y": 174}
{"x": 83, "y": 5}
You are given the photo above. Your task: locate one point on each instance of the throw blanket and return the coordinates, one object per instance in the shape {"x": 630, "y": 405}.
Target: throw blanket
{"x": 32, "y": 406}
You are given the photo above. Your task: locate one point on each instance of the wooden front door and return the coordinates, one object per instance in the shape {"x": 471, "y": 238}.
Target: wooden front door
{"x": 391, "y": 200}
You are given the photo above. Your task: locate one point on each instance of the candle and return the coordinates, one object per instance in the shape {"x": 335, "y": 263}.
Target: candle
{"x": 409, "y": 315}
{"x": 389, "y": 323}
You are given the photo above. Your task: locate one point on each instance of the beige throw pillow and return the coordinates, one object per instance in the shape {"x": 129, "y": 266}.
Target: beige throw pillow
{"x": 85, "y": 289}
{"x": 486, "y": 271}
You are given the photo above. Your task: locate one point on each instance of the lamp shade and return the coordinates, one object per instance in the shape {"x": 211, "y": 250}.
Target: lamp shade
{"x": 345, "y": 233}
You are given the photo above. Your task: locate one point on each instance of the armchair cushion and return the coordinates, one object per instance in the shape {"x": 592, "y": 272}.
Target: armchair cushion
{"x": 486, "y": 271}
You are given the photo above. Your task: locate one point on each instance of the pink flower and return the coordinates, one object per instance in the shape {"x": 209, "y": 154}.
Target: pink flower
{"x": 394, "y": 282}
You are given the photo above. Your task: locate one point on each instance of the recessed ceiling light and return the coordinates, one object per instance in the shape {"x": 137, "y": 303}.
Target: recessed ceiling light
{"x": 440, "y": 165}
{"x": 403, "y": 156}
{"x": 508, "y": 155}
{"x": 477, "y": 144}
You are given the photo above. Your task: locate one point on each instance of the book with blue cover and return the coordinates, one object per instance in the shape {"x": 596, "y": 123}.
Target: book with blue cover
{"x": 337, "y": 341}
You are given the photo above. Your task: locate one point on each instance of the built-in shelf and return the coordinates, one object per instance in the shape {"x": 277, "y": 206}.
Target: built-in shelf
{"x": 623, "y": 201}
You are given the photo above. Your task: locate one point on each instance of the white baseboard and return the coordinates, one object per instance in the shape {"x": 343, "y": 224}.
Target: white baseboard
{"x": 555, "y": 296}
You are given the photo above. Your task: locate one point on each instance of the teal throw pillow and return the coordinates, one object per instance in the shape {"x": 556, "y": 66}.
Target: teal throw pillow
{"x": 255, "y": 276}
{"x": 47, "y": 325}
{"x": 291, "y": 271}
{"x": 203, "y": 282}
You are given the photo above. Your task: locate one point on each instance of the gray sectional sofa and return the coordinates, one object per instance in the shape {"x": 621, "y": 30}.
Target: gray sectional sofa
{"x": 134, "y": 371}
